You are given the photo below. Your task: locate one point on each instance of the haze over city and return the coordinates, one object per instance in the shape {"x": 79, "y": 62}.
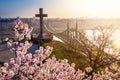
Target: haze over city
{"x": 61, "y": 8}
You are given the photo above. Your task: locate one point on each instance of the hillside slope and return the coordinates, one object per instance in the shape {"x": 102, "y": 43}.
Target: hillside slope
{"x": 64, "y": 51}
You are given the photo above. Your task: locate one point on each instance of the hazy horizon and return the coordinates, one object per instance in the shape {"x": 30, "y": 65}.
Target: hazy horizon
{"x": 61, "y": 8}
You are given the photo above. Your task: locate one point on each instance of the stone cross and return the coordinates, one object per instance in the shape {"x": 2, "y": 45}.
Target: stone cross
{"x": 41, "y": 15}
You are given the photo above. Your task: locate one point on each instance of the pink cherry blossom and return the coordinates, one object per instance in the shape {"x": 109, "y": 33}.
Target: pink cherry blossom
{"x": 37, "y": 66}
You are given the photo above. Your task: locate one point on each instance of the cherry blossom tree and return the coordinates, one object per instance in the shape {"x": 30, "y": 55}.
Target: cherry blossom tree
{"x": 20, "y": 30}
{"x": 37, "y": 66}
{"x": 28, "y": 66}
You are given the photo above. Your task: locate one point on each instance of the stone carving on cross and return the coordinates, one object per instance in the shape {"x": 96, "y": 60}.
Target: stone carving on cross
{"x": 41, "y": 15}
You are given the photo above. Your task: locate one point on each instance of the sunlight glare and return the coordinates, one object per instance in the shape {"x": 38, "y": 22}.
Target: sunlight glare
{"x": 92, "y": 8}
{"x": 103, "y": 8}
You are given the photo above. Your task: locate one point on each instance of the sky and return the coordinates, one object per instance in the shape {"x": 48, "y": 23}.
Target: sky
{"x": 61, "y": 8}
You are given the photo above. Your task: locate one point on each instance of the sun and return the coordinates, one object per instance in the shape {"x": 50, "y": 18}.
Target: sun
{"x": 92, "y": 8}
{"x": 103, "y": 8}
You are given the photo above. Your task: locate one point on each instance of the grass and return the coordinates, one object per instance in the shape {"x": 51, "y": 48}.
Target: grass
{"x": 64, "y": 51}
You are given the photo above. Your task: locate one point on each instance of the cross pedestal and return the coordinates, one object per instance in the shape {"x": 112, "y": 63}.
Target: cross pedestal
{"x": 41, "y": 15}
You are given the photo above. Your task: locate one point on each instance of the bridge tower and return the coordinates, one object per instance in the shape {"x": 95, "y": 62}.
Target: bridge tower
{"x": 76, "y": 29}
{"x": 68, "y": 30}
